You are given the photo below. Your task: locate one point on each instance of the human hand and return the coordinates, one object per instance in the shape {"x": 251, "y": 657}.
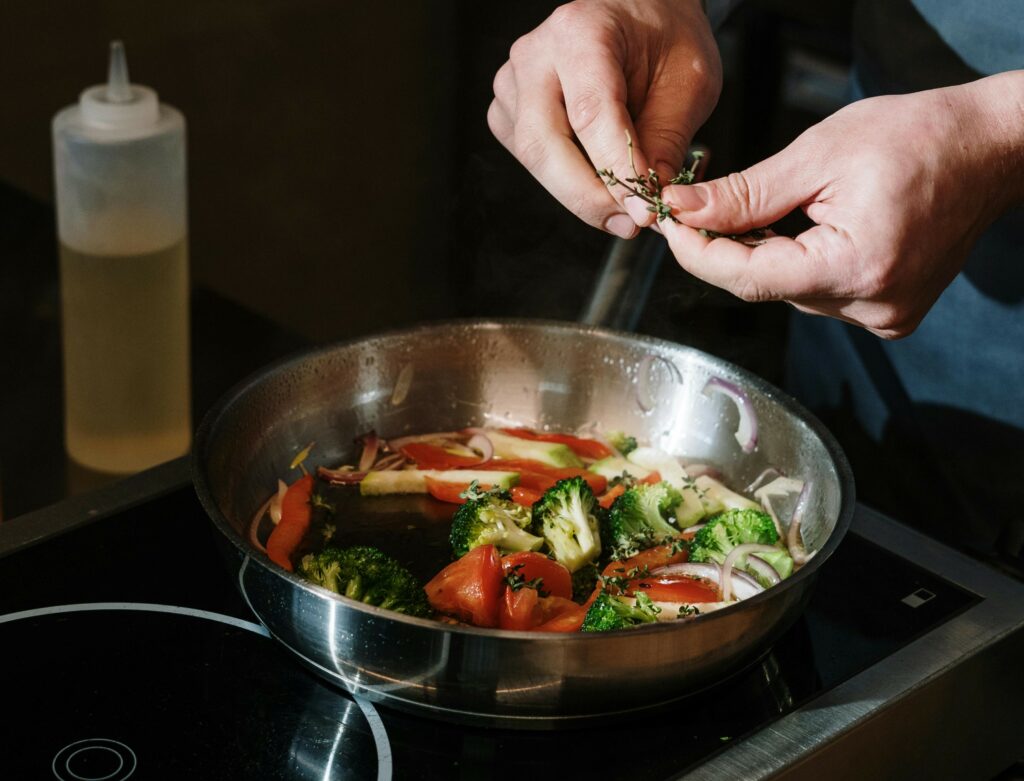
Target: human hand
{"x": 573, "y": 87}
{"x": 900, "y": 188}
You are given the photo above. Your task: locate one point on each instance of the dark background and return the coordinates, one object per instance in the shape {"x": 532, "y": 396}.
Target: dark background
{"x": 343, "y": 180}
{"x": 342, "y": 176}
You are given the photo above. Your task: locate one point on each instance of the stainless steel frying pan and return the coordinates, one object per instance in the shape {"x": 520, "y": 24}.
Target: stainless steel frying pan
{"x": 534, "y": 373}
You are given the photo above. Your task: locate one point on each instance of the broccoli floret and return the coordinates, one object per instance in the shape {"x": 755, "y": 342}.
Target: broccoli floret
{"x": 638, "y": 519}
{"x": 609, "y": 613}
{"x": 621, "y": 442}
{"x": 731, "y": 528}
{"x": 492, "y": 519}
{"x": 566, "y": 515}
{"x": 368, "y": 575}
{"x": 584, "y": 580}
{"x": 780, "y": 561}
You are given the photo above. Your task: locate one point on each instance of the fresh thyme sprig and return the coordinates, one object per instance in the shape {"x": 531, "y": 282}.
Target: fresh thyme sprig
{"x": 647, "y": 187}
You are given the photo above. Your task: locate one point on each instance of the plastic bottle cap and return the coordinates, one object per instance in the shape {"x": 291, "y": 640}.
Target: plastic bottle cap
{"x": 118, "y": 104}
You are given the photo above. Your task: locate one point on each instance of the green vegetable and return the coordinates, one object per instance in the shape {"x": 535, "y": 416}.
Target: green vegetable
{"x": 639, "y": 519}
{"x": 727, "y": 530}
{"x": 609, "y": 613}
{"x": 780, "y": 561}
{"x": 492, "y": 519}
{"x": 566, "y": 515}
{"x": 368, "y": 575}
{"x": 551, "y": 453}
{"x": 621, "y": 442}
{"x": 613, "y": 468}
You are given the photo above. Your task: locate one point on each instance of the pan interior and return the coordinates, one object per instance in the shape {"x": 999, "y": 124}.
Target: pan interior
{"x": 548, "y": 376}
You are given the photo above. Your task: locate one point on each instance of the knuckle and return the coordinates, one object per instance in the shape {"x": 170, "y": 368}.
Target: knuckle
{"x": 530, "y": 149}
{"x": 567, "y": 17}
{"x": 751, "y": 291}
{"x": 521, "y": 49}
{"x": 583, "y": 110}
{"x": 742, "y": 191}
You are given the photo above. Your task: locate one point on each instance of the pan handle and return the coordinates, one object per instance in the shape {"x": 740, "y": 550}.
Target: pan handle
{"x": 627, "y": 274}
{"x": 624, "y": 282}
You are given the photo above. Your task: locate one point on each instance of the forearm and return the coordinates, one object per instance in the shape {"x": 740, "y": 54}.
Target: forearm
{"x": 995, "y": 118}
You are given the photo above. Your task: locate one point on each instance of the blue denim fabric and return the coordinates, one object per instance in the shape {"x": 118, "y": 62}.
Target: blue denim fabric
{"x": 987, "y": 34}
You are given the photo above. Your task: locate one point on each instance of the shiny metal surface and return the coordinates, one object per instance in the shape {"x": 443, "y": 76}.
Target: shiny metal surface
{"x": 538, "y": 374}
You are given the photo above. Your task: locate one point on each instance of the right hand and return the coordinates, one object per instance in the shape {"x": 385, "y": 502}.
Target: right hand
{"x": 573, "y": 87}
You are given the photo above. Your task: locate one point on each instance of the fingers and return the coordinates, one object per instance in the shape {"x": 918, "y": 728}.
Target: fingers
{"x": 813, "y": 265}
{"x": 529, "y": 118}
{"x": 752, "y": 198}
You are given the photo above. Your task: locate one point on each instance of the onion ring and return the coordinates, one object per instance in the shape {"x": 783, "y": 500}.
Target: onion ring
{"x": 730, "y": 562}
{"x": 746, "y": 431}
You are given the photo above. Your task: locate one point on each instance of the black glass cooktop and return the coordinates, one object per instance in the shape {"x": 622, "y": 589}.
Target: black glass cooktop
{"x": 129, "y": 654}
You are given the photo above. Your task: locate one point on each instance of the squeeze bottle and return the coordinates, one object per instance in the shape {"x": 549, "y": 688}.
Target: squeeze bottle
{"x": 119, "y": 161}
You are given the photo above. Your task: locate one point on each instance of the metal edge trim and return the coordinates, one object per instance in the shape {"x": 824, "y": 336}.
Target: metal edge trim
{"x": 827, "y": 717}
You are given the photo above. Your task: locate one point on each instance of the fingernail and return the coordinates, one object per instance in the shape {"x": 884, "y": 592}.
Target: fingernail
{"x": 689, "y": 198}
{"x": 637, "y": 209}
{"x": 621, "y": 225}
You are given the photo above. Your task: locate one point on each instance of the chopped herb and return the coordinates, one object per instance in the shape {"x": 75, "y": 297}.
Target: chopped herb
{"x": 648, "y": 189}
{"x": 516, "y": 581}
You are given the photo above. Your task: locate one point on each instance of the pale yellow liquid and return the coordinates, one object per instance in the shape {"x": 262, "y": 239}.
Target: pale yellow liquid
{"x": 126, "y": 358}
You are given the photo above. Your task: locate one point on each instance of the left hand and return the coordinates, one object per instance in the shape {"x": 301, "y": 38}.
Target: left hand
{"x": 900, "y": 188}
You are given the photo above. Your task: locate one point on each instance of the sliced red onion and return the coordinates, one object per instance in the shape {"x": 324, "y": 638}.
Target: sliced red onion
{"x": 768, "y": 474}
{"x": 437, "y": 436}
{"x": 389, "y": 462}
{"x": 746, "y": 431}
{"x": 371, "y": 444}
{"x": 481, "y": 443}
{"x": 342, "y": 476}
{"x": 763, "y": 570}
{"x": 794, "y": 540}
{"x": 743, "y": 586}
{"x": 779, "y": 487}
{"x": 693, "y": 529}
{"x": 730, "y": 561}
{"x": 274, "y": 507}
{"x": 254, "y": 527}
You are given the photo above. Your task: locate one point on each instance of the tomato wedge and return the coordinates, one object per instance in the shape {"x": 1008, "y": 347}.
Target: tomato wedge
{"x": 562, "y": 615}
{"x": 429, "y": 456}
{"x": 525, "y": 496}
{"x": 520, "y": 609}
{"x": 296, "y": 515}
{"x": 652, "y": 558}
{"x": 471, "y": 588}
{"x": 532, "y": 565}
{"x": 675, "y": 588}
{"x": 585, "y": 448}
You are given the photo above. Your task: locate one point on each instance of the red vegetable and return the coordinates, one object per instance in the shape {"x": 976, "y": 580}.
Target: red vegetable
{"x": 540, "y": 477}
{"x": 429, "y": 456}
{"x": 471, "y": 588}
{"x": 675, "y": 588}
{"x": 585, "y": 448}
{"x": 531, "y": 565}
{"x": 520, "y": 610}
{"x": 449, "y": 492}
{"x": 525, "y": 496}
{"x": 608, "y": 499}
{"x": 296, "y": 514}
{"x": 562, "y": 615}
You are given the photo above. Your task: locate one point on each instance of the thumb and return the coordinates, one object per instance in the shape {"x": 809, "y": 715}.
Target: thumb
{"x": 749, "y": 199}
